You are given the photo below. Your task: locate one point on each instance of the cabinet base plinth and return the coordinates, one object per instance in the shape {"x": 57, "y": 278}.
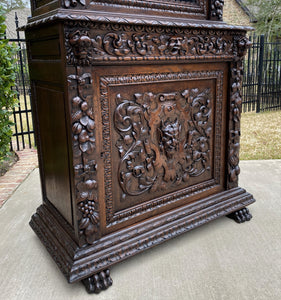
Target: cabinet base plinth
{"x": 241, "y": 215}
{"x": 90, "y": 262}
{"x": 98, "y": 282}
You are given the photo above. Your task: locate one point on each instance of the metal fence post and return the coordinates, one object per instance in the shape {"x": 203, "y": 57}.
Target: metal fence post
{"x": 260, "y": 73}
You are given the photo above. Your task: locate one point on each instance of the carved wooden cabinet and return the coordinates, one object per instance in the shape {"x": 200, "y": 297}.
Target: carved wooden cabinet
{"x": 137, "y": 109}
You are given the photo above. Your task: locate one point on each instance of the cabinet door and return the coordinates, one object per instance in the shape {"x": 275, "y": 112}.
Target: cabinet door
{"x": 163, "y": 138}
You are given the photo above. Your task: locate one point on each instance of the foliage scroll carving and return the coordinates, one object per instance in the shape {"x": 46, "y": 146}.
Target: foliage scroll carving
{"x": 85, "y": 48}
{"x": 164, "y": 139}
{"x": 126, "y": 140}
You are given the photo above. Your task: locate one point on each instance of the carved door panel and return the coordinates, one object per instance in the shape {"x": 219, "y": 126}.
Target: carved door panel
{"x": 162, "y": 138}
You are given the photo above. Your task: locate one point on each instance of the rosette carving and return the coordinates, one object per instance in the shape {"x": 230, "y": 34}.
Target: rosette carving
{"x": 164, "y": 139}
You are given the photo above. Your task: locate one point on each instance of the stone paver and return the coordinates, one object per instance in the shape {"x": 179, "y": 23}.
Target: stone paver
{"x": 10, "y": 181}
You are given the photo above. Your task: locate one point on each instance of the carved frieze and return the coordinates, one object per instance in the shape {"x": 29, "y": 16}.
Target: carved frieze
{"x": 83, "y": 145}
{"x": 86, "y": 46}
{"x": 164, "y": 139}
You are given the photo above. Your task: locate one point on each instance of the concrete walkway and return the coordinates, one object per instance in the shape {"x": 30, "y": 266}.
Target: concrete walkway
{"x": 10, "y": 181}
{"x": 221, "y": 260}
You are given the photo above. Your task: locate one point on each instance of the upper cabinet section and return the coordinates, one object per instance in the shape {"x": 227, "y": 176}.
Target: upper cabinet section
{"x": 138, "y": 9}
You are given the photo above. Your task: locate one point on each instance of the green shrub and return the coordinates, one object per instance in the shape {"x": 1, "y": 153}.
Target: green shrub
{"x": 8, "y": 97}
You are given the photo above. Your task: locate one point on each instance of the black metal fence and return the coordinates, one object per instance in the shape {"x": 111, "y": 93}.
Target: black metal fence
{"x": 262, "y": 76}
{"x": 23, "y": 133}
{"x": 261, "y": 85}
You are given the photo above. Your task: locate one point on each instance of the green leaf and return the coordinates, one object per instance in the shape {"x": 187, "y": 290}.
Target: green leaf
{"x": 8, "y": 98}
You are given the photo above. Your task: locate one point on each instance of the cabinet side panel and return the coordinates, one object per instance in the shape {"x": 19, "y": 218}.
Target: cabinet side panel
{"x": 48, "y": 96}
{"x": 53, "y": 144}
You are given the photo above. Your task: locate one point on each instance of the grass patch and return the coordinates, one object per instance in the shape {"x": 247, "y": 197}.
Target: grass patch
{"x": 261, "y": 135}
{"x": 5, "y": 164}
{"x": 24, "y": 123}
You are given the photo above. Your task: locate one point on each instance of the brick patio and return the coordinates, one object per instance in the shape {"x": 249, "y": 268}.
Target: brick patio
{"x": 10, "y": 181}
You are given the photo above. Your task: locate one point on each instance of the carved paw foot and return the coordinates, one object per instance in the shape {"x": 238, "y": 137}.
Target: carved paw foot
{"x": 241, "y": 216}
{"x": 98, "y": 282}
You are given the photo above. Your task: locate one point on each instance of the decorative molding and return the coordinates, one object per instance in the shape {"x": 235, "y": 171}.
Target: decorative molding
{"x": 83, "y": 147}
{"x": 105, "y": 82}
{"x": 184, "y": 7}
{"x": 217, "y": 9}
{"x": 54, "y": 244}
{"x": 161, "y": 230}
{"x": 80, "y": 20}
{"x": 163, "y": 234}
{"x": 150, "y": 206}
{"x": 218, "y": 129}
{"x": 113, "y": 248}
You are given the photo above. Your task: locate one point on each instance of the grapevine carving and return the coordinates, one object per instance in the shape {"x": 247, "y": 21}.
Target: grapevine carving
{"x": 241, "y": 45}
{"x": 234, "y": 132}
{"x": 83, "y": 144}
{"x": 164, "y": 139}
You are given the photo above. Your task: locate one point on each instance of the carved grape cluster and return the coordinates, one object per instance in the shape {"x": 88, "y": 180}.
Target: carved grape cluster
{"x": 87, "y": 208}
{"x": 83, "y": 126}
{"x": 83, "y": 123}
{"x": 217, "y": 8}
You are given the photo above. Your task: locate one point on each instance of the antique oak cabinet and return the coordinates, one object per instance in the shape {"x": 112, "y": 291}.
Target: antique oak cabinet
{"x": 137, "y": 109}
